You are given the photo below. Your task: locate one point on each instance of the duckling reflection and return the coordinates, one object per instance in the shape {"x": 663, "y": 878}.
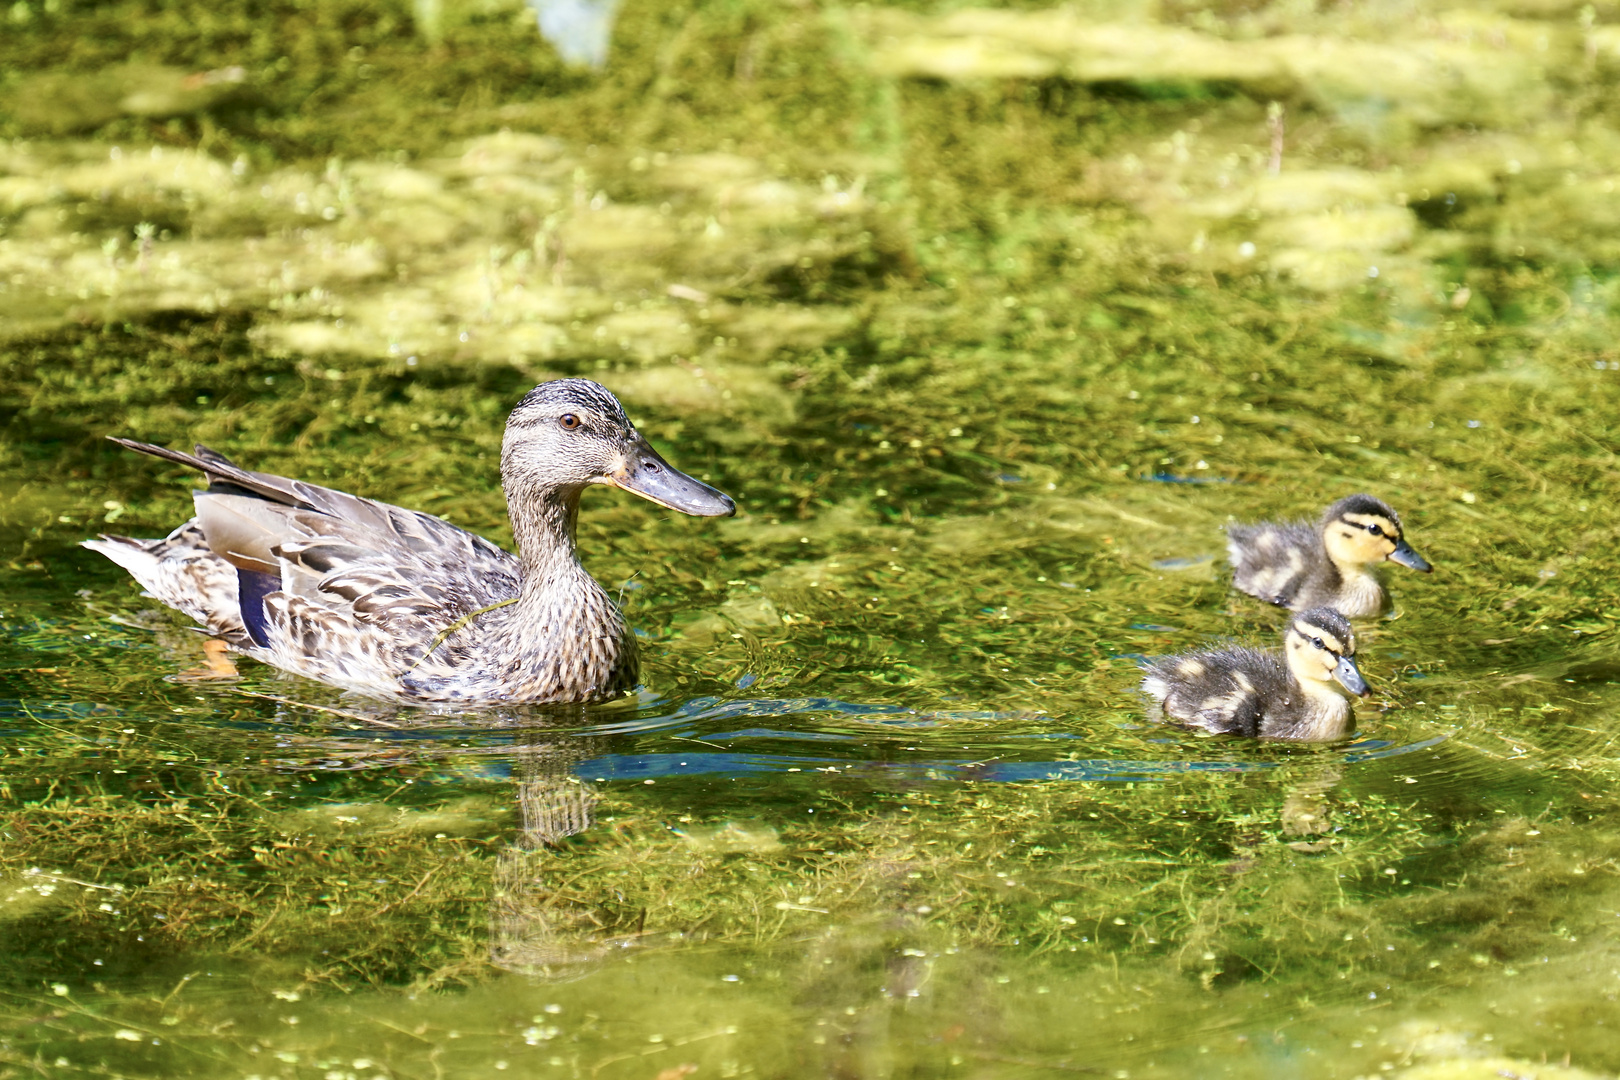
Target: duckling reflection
{"x": 1245, "y": 691}
{"x": 1297, "y": 565}
{"x": 1307, "y": 816}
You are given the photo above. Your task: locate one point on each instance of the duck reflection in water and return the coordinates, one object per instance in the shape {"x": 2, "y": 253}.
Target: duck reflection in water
{"x": 539, "y": 925}
{"x": 535, "y": 927}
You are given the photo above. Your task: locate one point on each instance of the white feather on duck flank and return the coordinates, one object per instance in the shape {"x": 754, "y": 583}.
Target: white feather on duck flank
{"x": 1298, "y": 565}
{"x": 1241, "y": 690}
{"x": 396, "y": 603}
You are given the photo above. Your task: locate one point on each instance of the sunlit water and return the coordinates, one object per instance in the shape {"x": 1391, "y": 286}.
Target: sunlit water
{"x": 986, "y": 371}
{"x": 266, "y": 877}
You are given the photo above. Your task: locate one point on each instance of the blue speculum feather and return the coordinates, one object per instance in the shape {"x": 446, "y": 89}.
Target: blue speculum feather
{"x": 252, "y": 586}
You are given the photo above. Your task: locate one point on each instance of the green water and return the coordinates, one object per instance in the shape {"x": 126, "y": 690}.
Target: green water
{"x": 987, "y": 343}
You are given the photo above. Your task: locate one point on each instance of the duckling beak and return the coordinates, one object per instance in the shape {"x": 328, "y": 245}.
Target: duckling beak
{"x": 643, "y": 472}
{"x": 1404, "y": 555}
{"x": 1349, "y": 677}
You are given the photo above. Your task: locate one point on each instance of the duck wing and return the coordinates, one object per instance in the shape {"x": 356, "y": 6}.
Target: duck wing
{"x": 410, "y": 530}
{"x": 1279, "y": 562}
{"x": 313, "y": 563}
{"x": 1229, "y": 690}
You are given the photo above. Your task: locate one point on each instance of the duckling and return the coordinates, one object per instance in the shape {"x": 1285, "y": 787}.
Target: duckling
{"x": 1297, "y": 565}
{"x": 1246, "y": 691}
{"x": 399, "y": 604}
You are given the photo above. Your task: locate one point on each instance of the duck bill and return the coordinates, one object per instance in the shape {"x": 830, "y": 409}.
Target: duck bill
{"x": 1349, "y": 677}
{"x": 1404, "y": 555}
{"x": 645, "y": 473}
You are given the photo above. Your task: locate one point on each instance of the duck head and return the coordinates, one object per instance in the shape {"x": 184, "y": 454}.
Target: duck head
{"x": 1361, "y": 529}
{"x": 1322, "y": 648}
{"x": 568, "y": 434}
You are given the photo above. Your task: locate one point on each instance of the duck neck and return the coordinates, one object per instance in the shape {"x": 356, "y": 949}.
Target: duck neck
{"x": 558, "y": 597}
{"x": 554, "y": 582}
{"x": 543, "y": 527}
{"x": 1360, "y": 592}
{"x": 1319, "y": 692}
{"x": 1327, "y": 712}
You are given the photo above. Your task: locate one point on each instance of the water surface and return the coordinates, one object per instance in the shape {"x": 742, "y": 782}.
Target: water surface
{"x": 987, "y": 356}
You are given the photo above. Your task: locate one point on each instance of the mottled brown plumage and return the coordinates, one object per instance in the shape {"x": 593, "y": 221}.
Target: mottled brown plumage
{"x": 1244, "y": 691}
{"x": 361, "y": 594}
{"x": 1298, "y": 565}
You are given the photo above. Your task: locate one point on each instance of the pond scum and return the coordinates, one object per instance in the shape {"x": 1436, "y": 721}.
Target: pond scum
{"x": 954, "y": 299}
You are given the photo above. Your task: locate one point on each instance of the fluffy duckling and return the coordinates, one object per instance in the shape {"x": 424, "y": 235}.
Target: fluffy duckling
{"x": 1297, "y": 565}
{"x": 1245, "y": 691}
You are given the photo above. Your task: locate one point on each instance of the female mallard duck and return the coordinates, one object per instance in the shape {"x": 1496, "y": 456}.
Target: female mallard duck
{"x": 1297, "y": 565}
{"x": 1244, "y": 691}
{"x": 401, "y": 604}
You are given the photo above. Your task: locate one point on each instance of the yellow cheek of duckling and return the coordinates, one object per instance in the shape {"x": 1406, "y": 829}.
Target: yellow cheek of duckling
{"x": 1363, "y": 547}
{"x": 1345, "y": 543}
{"x": 1366, "y": 546}
{"x": 1322, "y": 657}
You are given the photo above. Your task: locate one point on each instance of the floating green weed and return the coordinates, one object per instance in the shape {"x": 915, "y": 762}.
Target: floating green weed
{"x": 987, "y": 360}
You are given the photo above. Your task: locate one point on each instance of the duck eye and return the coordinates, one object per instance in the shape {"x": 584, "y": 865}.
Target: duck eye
{"x": 1318, "y": 643}
{"x": 569, "y": 421}
{"x": 1375, "y": 530}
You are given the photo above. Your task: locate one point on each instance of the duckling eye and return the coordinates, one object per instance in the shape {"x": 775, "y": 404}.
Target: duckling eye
{"x": 1375, "y": 530}
{"x": 1318, "y": 643}
{"x": 569, "y": 421}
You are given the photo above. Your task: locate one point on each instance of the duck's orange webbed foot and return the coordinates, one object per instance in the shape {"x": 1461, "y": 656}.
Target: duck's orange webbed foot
{"x": 217, "y": 664}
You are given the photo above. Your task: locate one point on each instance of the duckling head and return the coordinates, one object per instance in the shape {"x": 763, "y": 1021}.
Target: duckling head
{"x": 568, "y": 434}
{"x": 1322, "y": 648}
{"x": 1361, "y": 529}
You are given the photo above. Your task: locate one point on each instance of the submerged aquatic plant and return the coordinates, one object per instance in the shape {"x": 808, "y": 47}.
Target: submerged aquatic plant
{"x": 889, "y": 785}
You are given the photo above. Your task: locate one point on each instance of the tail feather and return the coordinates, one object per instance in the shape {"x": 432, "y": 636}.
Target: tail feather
{"x": 180, "y": 571}
{"x": 217, "y": 466}
{"x": 227, "y": 478}
{"x": 133, "y": 555}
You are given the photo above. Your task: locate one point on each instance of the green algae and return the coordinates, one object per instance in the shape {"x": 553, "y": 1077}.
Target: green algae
{"x": 987, "y": 354}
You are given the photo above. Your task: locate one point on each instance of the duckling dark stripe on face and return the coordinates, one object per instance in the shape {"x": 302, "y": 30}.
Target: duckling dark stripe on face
{"x": 591, "y": 423}
{"x": 1327, "y": 626}
{"x": 1377, "y": 524}
{"x": 1313, "y": 634}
